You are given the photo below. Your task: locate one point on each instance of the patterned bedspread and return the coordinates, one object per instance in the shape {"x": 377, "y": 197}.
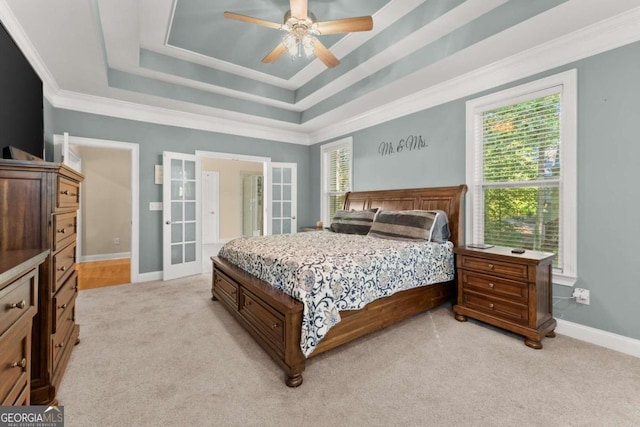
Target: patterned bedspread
{"x": 331, "y": 272}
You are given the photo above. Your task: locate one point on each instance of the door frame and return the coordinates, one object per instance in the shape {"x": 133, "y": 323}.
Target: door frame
{"x": 58, "y": 143}
{"x": 216, "y": 204}
{"x": 266, "y": 165}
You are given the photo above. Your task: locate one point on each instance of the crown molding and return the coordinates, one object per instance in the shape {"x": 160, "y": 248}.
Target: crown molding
{"x": 600, "y": 37}
{"x": 20, "y": 37}
{"x": 171, "y": 117}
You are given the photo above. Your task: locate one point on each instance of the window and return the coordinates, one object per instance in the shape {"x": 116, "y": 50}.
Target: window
{"x": 521, "y": 170}
{"x": 336, "y": 165}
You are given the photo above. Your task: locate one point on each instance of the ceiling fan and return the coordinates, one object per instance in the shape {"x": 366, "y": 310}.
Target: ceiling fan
{"x": 302, "y": 28}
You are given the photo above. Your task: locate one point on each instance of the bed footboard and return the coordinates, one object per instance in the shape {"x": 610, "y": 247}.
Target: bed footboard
{"x": 273, "y": 318}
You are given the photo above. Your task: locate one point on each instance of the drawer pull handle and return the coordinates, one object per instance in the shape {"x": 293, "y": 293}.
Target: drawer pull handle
{"x": 67, "y": 193}
{"x": 491, "y": 285}
{"x": 22, "y": 364}
{"x": 490, "y": 266}
{"x": 63, "y": 306}
{"x": 62, "y": 230}
{"x": 248, "y": 303}
{"x": 234, "y": 293}
{"x": 59, "y": 345}
{"x": 491, "y": 305}
{"x": 22, "y": 304}
{"x": 275, "y": 325}
{"x": 63, "y": 268}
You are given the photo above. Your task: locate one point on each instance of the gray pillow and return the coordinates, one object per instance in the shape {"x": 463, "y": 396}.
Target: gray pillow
{"x": 411, "y": 225}
{"x": 353, "y": 222}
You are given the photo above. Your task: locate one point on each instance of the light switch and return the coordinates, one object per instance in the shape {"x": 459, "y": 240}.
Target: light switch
{"x": 155, "y": 206}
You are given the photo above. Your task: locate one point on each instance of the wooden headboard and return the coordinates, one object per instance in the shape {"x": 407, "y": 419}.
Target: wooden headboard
{"x": 448, "y": 199}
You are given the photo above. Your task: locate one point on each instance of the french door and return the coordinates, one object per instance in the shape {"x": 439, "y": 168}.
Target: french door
{"x": 181, "y": 216}
{"x": 284, "y": 191}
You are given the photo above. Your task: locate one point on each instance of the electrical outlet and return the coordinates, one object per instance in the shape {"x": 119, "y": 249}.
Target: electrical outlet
{"x": 582, "y": 296}
{"x": 116, "y": 240}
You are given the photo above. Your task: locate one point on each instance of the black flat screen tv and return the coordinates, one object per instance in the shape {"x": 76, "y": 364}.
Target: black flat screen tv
{"x": 21, "y": 115}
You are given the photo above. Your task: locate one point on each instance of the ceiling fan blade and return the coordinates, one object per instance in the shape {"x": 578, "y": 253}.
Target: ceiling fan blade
{"x": 348, "y": 25}
{"x": 274, "y": 54}
{"x": 252, "y": 20}
{"x": 298, "y": 8}
{"x": 324, "y": 54}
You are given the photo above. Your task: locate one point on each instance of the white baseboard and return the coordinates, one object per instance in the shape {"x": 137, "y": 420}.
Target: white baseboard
{"x": 149, "y": 277}
{"x": 599, "y": 337}
{"x": 104, "y": 257}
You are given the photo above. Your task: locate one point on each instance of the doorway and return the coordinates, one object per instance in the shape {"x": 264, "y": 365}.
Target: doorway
{"x": 233, "y": 203}
{"x": 108, "y": 233}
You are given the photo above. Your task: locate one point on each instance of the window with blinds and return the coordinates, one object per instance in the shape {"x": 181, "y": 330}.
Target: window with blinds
{"x": 336, "y": 176}
{"x": 522, "y": 186}
{"x": 521, "y": 174}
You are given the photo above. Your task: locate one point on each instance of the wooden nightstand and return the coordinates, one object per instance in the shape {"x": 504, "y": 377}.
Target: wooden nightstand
{"x": 511, "y": 291}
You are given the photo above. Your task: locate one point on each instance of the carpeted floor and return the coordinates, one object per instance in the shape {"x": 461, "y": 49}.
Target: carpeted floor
{"x": 164, "y": 354}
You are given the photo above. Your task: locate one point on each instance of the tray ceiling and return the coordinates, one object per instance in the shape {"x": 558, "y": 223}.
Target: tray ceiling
{"x": 184, "y": 56}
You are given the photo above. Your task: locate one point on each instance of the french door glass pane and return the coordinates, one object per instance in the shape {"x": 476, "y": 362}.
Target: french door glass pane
{"x": 189, "y": 252}
{"x": 176, "y": 254}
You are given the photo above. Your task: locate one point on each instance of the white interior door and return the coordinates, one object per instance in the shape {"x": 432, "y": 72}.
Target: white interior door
{"x": 210, "y": 207}
{"x": 181, "y": 216}
{"x": 284, "y": 198}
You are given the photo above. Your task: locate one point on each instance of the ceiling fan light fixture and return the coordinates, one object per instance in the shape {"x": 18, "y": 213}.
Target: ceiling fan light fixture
{"x": 300, "y": 35}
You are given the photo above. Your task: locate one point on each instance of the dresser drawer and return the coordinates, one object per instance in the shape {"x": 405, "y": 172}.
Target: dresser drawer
{"x": 269, "y": 322}
{"x": 14, "y": 362}
{"x": 495, "y": 286}
{"x": 68, "y": 195}
{"x": 64, "y": 229}
{"x": 64, "y": 298}
{"x": 60, "y": 339}
{"x": 63, "y": 264}
{"x": 514, "y": 312}
{"x": 505, "y": 269}
{"x": 227, "y": 289}
{"x": 17, "y": 299}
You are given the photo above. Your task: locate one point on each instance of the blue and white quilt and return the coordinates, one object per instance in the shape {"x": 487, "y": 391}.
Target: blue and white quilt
{"x": 331, "y": 272}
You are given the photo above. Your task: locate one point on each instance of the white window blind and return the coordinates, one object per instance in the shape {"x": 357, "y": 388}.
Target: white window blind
{"x": 522, "y": 171}
{"x": 336, "y": 179}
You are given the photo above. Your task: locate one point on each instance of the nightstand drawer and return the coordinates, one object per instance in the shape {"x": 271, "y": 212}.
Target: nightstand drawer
{"x": 494, "y": 286}
{"x": 508, "y": 269}
{"x": 514, "y": 312}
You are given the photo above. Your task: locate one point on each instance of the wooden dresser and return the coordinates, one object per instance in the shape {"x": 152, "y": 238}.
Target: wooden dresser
{"x": 511, "y": 291}
{"x": 19, "y": 274}
{"x": 38, "y": 204}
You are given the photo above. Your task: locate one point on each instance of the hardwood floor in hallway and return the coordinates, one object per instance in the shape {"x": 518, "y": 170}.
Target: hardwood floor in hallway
{"x": 99, "y": 274}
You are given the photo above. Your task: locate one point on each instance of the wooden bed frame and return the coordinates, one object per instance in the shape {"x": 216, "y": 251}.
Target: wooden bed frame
{"x": 274, "y": 319}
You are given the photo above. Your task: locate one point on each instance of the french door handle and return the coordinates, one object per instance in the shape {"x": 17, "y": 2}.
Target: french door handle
{"x": 168, "y": 222}
{"x": 293, "y": 217}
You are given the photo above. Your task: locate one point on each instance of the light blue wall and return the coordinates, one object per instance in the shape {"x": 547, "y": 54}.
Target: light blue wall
{"x": 153, "y": 140}
{"x": 608, "y": 179}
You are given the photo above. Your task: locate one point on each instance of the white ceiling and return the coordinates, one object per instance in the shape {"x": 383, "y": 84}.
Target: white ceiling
{"x": 180, "y": 62}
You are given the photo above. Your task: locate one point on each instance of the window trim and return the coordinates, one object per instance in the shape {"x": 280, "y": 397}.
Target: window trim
{"x": 567, "y": 81}
{"x": 324, "y": 175}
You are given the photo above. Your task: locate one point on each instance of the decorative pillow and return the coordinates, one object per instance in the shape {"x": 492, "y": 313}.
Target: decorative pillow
{"x": 411, "y": 225}
{"x": 353, "y": 222}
